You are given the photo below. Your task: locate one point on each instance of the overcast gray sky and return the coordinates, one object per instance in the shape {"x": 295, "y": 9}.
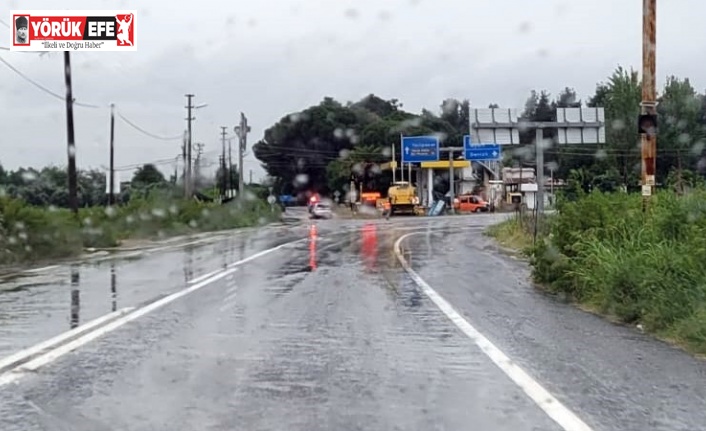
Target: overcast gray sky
{"x": 274, "y": 57}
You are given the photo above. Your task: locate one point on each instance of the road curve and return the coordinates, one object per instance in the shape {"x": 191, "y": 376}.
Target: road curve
{"x": 328, "y": 331}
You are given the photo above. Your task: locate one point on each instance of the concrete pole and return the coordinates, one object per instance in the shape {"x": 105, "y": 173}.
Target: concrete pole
{"x": 70, "y": 137}
{"x": 540, "y": 170}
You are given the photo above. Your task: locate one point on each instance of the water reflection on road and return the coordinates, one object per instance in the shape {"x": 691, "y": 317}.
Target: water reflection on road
{"x": 75, "y": 296}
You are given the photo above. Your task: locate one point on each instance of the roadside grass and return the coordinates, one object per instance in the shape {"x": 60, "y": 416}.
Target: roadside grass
{"x": 514, "y": 233}
{"x": 29, "y": 234}
{"x": 606, "y": 254}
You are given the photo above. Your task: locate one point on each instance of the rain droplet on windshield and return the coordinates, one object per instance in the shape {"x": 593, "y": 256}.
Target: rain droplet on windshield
{"x": 351, "y": 13}
{"x": 29, "y": 176}
{"x": 301, "y": 180}
{"x": 111, "y": 212}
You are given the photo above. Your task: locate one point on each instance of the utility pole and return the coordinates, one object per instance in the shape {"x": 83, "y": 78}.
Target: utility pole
{"x": 183, "y": 156}
{"x": 647, "y": 122}
{"x": 222, "y": 185}
{"x": 223, "y": 159}
{"x": 111, "y": 182}
{"x": 242, "y": 131}
{"x": 250, "y": 182}
{"x": 230, "y": 166}
{"x": 189, "y": 118}
{"x": 197, "y": 175}
{"x": 71, "y": 141}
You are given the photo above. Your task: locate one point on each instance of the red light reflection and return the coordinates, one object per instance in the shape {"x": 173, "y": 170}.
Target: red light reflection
{"x": 369, "y": 248}
{"x": 312, "y": 247}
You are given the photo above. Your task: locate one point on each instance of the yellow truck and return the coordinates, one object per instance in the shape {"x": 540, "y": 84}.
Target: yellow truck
{"x": 403, "y": 197}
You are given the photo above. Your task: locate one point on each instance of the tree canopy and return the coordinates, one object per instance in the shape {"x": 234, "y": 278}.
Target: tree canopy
{"x": 320, "y": 147}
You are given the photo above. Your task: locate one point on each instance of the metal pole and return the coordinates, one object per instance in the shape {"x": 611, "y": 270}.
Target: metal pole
{"x": 452, "y": 175}
{"x": 394, "y": 170}
{"x": 648, "y": 141}
{"x": 539, "y": 144}
{"x": 71, "y": 141}
{"x": 401, "y": 158}
{"x": 188, "y": 146}
{"x": 409, "y": 173}
{"x": 111, "y": 183}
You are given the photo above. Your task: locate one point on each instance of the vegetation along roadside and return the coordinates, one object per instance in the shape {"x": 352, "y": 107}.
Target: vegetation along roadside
{"x": 31, "y": 234}
{"x": 606, "y": 254}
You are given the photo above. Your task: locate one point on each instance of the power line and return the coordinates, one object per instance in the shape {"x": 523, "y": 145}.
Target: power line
{"x": 145, "y": 132}
{"x": 41, "y": 87}
{"x": 87, "y": 105}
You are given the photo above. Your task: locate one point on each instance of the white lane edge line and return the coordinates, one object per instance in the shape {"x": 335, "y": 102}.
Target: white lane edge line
{"x": 557, "y": 411}
{"x": 42, "y": 269}
{"x": 38, "y": 348}
{"x": 204, "y": 276}
{"x": 52, "y": 355}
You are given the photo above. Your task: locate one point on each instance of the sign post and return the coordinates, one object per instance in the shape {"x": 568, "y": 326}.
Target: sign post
{"x": 271, "y": 200}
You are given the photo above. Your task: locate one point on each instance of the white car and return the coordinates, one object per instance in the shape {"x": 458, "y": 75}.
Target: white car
{"x": 321, "y": 211}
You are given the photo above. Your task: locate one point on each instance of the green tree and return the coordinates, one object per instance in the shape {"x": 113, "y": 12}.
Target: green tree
{"x": 147, "y": 175}
{"x": 621, "y": 98}
{"x": 681, "y": 136}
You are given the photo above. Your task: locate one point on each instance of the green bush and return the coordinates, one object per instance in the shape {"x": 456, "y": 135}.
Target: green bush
{"x": 642, "y": 267}
{"x": 29, "y": 233}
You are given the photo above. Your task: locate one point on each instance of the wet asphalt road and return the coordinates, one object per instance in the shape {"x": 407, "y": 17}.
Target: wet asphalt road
{"x": 330, "y": 333}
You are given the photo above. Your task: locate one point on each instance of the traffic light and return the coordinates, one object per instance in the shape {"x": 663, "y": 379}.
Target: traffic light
{"x": 647, "y": 124}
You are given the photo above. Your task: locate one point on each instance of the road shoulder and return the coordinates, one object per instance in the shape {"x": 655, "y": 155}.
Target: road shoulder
{"x": 611, "y": 374}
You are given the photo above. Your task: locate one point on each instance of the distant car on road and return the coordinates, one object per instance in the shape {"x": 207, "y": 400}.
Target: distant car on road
{"x": 321, "y": 210}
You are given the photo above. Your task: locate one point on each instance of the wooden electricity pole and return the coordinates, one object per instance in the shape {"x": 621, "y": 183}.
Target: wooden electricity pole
{"x": 648, "y": 118}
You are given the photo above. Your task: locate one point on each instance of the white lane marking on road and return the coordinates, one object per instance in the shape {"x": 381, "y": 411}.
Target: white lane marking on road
{"x": 205, "y": 276}
{"x": 63, "y": 349}
{"x": 561, "y": 414}
{"x": 42, "y": 269}
{"x": 177, "y": 246}
{"x": 25, "y": 354}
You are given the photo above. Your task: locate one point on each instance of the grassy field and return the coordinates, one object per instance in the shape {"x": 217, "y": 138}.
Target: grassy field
{"x": 29, "y": 234}
{"x": 638, "y": 267}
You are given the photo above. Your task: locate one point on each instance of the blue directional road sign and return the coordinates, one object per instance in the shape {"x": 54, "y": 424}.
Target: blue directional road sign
{"x": 480, "y": 152}
{"x": 417, "y": 149}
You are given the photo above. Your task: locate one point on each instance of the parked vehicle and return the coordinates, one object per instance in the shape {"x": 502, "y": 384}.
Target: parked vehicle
{"x": 471, "y": 203}
{"x": 321, "y": 210}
